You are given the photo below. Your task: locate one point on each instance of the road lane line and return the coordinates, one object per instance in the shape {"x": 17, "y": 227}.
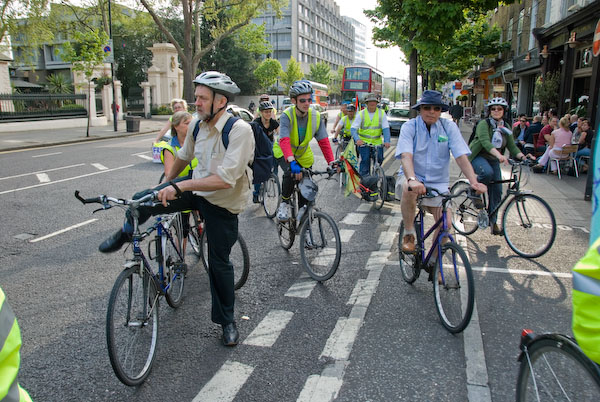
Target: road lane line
{"x": 41, "y": 171}
{"x": 226, "y": 383}
{"x": 269, "y": 329}
{"x": 41, "y": 156}
{"x": 99, "y": 166}
{"x": 62, "y": 231}
{"x": 43, "y": 177}
{"x": 63, "y": 180}
{"x": 522, "y": 272}
{"x": 148, "y": 158}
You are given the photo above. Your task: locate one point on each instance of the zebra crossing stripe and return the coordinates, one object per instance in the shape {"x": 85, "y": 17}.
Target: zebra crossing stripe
{"x": 353, "y": 219}
{"x": 226, "y": 383}
{"x": 301, "y": 289}
{"x": 269, "y": 329}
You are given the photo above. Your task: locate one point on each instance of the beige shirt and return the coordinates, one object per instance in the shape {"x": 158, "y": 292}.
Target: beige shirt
{"x": 230, "y": 164}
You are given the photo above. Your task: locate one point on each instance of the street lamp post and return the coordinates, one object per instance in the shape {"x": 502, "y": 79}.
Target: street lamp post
{"x": 276, "y": 30}
{"x": 112, "y": 71}
{"x": 395, "y": 80}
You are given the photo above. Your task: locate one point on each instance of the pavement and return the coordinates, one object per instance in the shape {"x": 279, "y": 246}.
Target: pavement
{"x": 565, "y": 196}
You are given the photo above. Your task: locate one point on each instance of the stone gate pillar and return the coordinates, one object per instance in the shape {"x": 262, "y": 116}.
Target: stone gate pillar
{"x": 147, "y": 99}
{"x": 164, "y": 76}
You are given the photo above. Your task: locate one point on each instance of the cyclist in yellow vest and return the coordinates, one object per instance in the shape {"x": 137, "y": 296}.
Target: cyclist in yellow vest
{"x": 340, "y": 116}
{"x": 370, "y": 126}
{"x": 298, "y": 125}
{"x": 345, "y": 124}
{"x": 10, "y": 357}
{"x": 180, "y": 122}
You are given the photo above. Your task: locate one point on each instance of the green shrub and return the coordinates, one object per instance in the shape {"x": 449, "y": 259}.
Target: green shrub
{"x": 72, "y": 106}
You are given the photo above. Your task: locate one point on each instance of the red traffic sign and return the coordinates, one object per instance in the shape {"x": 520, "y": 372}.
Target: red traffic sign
{"x": 596, "y": 44}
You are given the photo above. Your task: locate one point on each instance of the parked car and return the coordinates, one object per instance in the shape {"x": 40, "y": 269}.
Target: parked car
{"x": 396, "y": 118}
{"x": 287, "y": 102}
{"x": 240, "y": 112}
{"x": 322, "y": 110}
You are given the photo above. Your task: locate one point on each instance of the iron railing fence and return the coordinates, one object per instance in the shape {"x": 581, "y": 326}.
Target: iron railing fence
{"x": 24, "y": 107}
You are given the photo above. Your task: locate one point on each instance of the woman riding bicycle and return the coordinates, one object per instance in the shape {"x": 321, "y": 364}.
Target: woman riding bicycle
{"x": 492, "y": 136}
{"x": 180, "y": 122}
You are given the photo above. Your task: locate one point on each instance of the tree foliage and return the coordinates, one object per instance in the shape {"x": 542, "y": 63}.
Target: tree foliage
{"x": 292, "y": 74}
{"x": 59, "y": 84}
{"x": 546, "y": 90}
{"x": 335, "y": 82}
{"x": 320, "y": 72}
{"x": 267, "y": 73}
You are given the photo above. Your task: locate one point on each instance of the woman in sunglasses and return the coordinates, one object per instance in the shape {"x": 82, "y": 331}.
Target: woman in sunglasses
{"x": 492, "y": 136}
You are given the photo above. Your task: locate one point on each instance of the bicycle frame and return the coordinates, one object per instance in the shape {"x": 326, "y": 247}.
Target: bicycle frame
{"x": 511, "y": 190}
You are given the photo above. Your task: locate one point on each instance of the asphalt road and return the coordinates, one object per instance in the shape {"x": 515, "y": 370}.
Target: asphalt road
{"x": 363, "y": 335}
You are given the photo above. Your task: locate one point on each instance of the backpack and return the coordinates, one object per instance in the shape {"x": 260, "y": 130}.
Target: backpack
{"x": 391, "y": 188}
{"x": 368, "y": 188}
{"x": 473, "y": 133}
{"x": 262, "y": 162}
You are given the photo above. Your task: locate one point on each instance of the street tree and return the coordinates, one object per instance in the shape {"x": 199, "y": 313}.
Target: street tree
{"x": 267, "y": 73}
{"x": 224, "y": 16}
{"x": 320, "y": 72}
{"x": 417, "y": 26}
{"x": 292, "y": 74}
{"x": 85, "y": 55}
{"x": 335, "y": 82}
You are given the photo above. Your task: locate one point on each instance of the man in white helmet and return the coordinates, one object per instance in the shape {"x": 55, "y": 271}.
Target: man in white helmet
{"x": 218, "y": 188}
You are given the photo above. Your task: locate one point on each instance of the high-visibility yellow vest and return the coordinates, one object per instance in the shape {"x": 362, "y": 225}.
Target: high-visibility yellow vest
{"x": 173, "y": 148}
{"x": 370, "y": 131}
{"x": 10, "y": 357}
{"x": 302, "y": 152}
{"x": 586, "y": 302}
{"x": 346, "y": 126}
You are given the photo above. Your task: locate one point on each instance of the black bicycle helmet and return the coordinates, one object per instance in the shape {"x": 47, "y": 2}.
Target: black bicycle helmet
{"x": 308, "y": 188}
{"x": 300, "y": 88}
{"x": 265, "y": 105}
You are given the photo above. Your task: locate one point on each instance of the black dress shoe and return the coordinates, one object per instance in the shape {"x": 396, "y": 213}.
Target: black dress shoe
{"x": 114, "y": 242}
{"x": 230, "y": 334}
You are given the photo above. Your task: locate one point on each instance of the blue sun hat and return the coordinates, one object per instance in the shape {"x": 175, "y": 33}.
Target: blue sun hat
{"x": 433, "y": 98}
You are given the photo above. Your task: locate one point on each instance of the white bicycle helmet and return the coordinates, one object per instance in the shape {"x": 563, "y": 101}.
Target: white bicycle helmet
{"x": 300, "y": 88}
{"x": 218, "y": 82}
{"x": 371, "y": 97}
{"x": 498, "y": 101}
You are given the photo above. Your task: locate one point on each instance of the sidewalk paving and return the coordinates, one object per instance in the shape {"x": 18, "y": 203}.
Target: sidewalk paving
{"x": 43, "y": 138}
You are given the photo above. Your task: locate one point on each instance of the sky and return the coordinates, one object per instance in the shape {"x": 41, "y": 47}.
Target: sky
{"x": 388, "y": 60}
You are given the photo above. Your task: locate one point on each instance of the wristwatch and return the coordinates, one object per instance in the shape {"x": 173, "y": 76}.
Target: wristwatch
{"x": 411, "y": 178}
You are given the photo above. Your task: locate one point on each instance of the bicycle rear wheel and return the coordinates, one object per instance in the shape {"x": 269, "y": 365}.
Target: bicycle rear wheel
{"x": 409, "y": 263}
{"x": 553, "y": 368}
{"x": 453, "y": 288}
{"x": 529, "y": 225}
{"x": 287, "y": 233}
{"x": 196, "y": 229}
{"x": 320, "y": 245}
{"x": 271, "y": 196}
{"x": 239, "y": 257}
{"x": 132, "y": 325}
{"x": 174, "y": 267}
{"x": 381, "y": 188}
{"x": 464, "y": 213}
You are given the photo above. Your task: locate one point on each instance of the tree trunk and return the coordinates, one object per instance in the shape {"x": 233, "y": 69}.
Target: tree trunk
{"x": 413, "y": 80}
{"x": 188, "y": 77}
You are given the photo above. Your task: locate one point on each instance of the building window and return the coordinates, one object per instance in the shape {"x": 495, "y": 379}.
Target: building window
{"x": 510, "y": 29}
{"x": 520, "y": 31}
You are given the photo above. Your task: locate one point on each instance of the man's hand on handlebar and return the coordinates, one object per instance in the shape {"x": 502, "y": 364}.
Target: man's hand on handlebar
{"x": 167, "y": 194}
{"x": 416, "y": 187}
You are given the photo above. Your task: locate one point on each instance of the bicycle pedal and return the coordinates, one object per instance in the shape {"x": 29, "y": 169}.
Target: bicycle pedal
{"x": 180, "y": 268}
{"x": 483, "y": 220}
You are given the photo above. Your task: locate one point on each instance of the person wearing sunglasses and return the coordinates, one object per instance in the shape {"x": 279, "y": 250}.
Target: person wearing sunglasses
{"x": 519, "y": 130}
{"x": 370, "y": 126}
{"x": 424, "y": 148}
{"x": 298, "y": 125}
{"x": 492, "y": 137}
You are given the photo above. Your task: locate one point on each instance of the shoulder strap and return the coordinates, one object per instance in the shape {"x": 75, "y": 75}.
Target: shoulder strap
{"x": 226, "y": 129}
{"x": 196, "y": 129}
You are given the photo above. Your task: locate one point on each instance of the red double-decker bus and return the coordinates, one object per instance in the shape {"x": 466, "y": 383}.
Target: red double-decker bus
{"x": 358, "y": 81}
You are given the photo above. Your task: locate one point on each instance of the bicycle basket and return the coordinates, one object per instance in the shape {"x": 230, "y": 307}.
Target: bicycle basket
{"x": 308, "y": 188}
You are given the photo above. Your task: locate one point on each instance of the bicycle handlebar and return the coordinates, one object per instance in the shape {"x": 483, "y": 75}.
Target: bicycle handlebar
{"x": 149, "y": 200}
{"x": 431, "y": 192}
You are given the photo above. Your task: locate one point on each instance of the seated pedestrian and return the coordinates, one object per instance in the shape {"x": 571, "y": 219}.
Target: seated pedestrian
{"x": 559, "y": 138}
{"x": 518, "y": 132}
{"x": 534, "y": 128}
{"x": 585, "y": 142}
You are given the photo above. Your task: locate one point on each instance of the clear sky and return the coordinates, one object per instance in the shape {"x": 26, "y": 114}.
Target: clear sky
{"x": 388, "y": 60}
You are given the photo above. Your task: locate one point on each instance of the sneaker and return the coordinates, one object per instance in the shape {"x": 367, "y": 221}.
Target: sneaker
{"x": 283, "y": 212}
{"x": 408, "y": 243}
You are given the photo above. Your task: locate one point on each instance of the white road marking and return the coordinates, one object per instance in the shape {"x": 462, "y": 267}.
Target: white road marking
{"x": 340, "y": 342}
{"x": 99, "y": 166}
{"x": 269, "y": 329}
{"x": 226, "y": 383}
{"x": 301, "y": 289}
{"x": 43, "y": 177}
{"x": 63, "y": 180}
{"x": 320, "y": 388}
{"x": 346, "y": 235}
{"x": 364, "y": 207}
{"x": 62, "y": 231}
{"x": 41, "y": 171}
{"x": 513, "y": 271}
{"x": 40, "y": 156}
{"x": 149, "y": 158}
{"x": 386, "y": 239}
{"x": 353, "y": 219}
{"x": 378, "y": 259}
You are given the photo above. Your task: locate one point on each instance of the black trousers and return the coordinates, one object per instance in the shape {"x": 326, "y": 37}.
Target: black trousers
{"x": 221, "y": 227}
{"x": 287, "y": 184}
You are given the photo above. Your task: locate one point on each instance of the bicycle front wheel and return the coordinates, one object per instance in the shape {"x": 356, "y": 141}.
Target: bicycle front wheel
{"x": 464, "y": 213}
{"x": 239, "y": 257}
{"x": 409, "y": 264}
{"x": 553, "y": 368}
{"x": 271, "y": 196}
{"x": 453, "y": 288}
{"x": 529, "y": 225}
{"x": 132, "y": 325}
{"x": 320, "y": 245}
{"x": 381, "y": 188}
{"x": 174, "y": 267}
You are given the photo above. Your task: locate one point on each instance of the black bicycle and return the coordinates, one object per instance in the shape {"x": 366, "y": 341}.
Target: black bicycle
{"x": 528, "y": 223}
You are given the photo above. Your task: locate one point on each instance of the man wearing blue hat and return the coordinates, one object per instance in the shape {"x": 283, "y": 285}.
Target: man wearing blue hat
{"x": 424, "y": 149}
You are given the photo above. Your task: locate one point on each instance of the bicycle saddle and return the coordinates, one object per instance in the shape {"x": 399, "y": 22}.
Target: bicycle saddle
{"x": 308, "y": 188}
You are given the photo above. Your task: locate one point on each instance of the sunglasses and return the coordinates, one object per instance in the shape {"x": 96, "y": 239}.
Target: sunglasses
{"x": 306, "y": 100}
{"x": 435, "y": 108}
{"x": 523, "y": 121}
{"x": 496, "y": 108}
